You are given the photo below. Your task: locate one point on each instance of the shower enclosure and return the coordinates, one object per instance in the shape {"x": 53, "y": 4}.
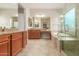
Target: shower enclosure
{"x": 69, "y": 42}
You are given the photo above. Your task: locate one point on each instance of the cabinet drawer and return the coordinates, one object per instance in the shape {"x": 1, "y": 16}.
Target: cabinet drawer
{"x": 16, "y": 35}
{"x": 4, "y": 38}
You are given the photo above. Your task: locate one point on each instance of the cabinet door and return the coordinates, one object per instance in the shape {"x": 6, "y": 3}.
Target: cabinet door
{"x": 16, "y": 43}
{"x": 4, "y": 48}
{"x": 4, "y": 45}
{"x": 34, "y": 34}
{"x": 30, "y": 34}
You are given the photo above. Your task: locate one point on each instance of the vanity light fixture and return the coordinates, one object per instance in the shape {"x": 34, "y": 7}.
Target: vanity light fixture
{"x": 39, "y": 15}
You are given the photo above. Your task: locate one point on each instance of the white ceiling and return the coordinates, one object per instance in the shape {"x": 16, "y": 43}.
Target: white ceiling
{"x": 33, "y": 5}
{"x": 43, "y": 5}
{"x": 8, "y": 9}
{"x": 8, "y": 5}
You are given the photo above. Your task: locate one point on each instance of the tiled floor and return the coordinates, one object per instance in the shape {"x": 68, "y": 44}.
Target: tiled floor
{"x": 39, "y": 47}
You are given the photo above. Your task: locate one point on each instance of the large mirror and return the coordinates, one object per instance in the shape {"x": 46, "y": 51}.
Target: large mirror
{"x": 45, "y": 22}
{"x": 39, "y": 22}
{"x": 30, "y": 22}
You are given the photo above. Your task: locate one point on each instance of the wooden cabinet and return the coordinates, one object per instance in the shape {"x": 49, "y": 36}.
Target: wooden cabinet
{"x": 24, "y": 39}
{"x": 4, "y": 45}
{"x": 34, "y": 34}
{"x": 16, "y": 43}
{"x": 12, "y": 43}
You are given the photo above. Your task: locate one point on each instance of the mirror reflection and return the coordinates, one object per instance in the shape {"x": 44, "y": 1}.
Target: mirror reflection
{"x": 39, "y": 22}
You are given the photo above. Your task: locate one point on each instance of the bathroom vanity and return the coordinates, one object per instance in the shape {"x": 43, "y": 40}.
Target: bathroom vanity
{"x": 39, "y": 34}
{"x": 11, "y": 43}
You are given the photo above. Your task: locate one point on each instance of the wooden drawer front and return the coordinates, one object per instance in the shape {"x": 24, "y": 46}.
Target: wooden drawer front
{"x": 34, "y": 34}
{"x": 16, "y": 35}
{"x": 4, "y": 38}
{"x": 37, "y": 36}
{"x": 4, "y": 49}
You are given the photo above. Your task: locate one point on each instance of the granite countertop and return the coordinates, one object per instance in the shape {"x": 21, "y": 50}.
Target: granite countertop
{"x": 39, "y": 29}
{"x": 9, "y": 32}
